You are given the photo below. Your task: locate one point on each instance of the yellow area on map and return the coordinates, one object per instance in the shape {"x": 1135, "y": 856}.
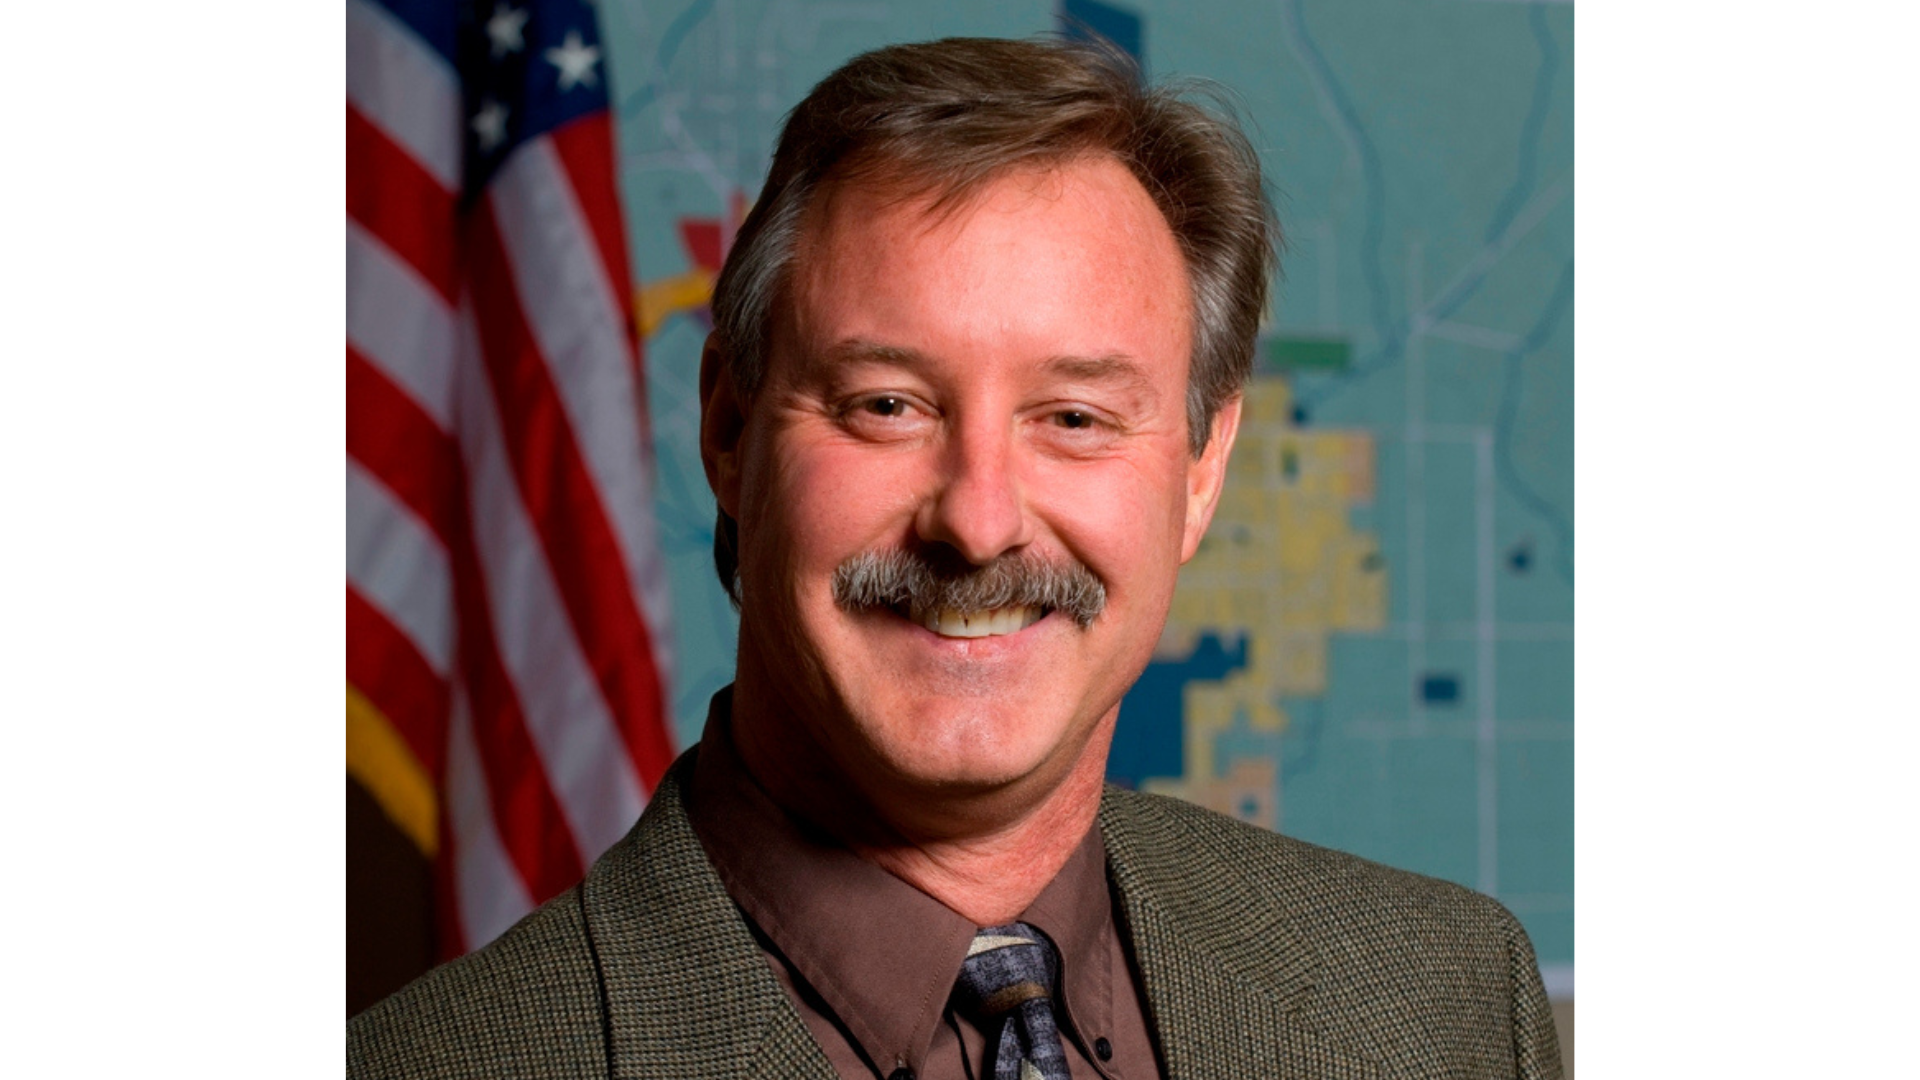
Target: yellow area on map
{"x": 1282, "y": 568}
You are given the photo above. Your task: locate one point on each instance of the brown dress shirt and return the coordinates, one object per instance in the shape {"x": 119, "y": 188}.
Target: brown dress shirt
{"x": 869, "y": 960}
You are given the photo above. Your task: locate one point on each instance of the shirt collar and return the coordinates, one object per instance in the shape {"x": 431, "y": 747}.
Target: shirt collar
{"x": 1076, "y": 911}
{"x": 882, "y": 955}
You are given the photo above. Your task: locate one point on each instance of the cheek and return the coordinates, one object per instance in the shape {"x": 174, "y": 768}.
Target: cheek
{"x": 829, "y": 500}
{"x": 1124, "y": 518}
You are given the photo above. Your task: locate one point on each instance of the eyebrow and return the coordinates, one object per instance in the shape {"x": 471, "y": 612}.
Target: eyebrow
{"x": 862, "y": 351}
{"x": 1113, "y": 368}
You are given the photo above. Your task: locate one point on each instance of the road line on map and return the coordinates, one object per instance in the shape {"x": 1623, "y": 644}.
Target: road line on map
{"x": 1489, "y": 749}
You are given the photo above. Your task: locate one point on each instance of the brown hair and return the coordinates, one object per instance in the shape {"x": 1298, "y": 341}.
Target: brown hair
{"x": 945, "y": 117}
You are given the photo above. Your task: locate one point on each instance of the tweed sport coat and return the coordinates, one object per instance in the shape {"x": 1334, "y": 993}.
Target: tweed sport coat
{"x": 1261, "y": 957}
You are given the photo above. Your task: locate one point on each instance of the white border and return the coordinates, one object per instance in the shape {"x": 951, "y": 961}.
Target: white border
{"x": 1746, "y": 367}
{"x": 170, "y": 432}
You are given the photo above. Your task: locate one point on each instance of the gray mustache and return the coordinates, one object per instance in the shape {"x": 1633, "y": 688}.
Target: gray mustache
{"x": 892, "y": 578}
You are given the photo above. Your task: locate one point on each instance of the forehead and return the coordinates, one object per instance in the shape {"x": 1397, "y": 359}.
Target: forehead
{"x": 1068, "y": 260}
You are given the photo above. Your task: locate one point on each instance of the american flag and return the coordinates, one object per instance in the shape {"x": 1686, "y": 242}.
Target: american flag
{"x": 506, "y": 631}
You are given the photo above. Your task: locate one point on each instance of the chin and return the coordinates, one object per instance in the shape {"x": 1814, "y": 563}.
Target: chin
{"x": 969, "y": 745}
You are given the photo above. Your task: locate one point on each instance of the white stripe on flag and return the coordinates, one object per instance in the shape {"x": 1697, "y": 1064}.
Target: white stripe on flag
{"x": 567, "y": 716}
{"x": 400, "y": 323}
{"x": 488, "y": 891}
{"x": 398, "y": 565}
{"x": 578, "y": 323}
{"x": 405, "y": 88}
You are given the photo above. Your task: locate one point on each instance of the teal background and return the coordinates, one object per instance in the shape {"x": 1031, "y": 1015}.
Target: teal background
{"x": 1421, "y": 156}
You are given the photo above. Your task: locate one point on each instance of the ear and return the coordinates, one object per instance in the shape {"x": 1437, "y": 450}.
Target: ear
{"x": 723, "y": 421}
{"x": 1207, "y": 474}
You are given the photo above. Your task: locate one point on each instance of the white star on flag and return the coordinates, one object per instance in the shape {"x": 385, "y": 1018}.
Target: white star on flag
{"x": 490, "y": 123}
{"x": 575, "y": 61}
{"x": 504, "y": 29}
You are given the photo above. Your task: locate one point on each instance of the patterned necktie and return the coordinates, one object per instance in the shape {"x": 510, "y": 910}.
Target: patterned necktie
{"x": 1006, "y": 989}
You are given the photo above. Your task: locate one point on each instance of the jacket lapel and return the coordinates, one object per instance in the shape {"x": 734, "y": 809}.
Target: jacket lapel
{"x": 1227, "y": 980}
{"x": 688, "y": 993}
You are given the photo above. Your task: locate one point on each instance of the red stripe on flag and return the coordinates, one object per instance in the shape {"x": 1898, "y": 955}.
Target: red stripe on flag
{"x": 525, "y": 810}
{"x": 401, "y": 203}
{"x": 383, "y": 664}
{"x": 390, "y": 434}
{"x": 531, "y": 825}
{"x": 558, "y": 490}
{"x": 585, "y": 149}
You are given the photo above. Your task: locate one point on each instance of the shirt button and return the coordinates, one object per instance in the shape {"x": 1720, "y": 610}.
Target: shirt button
{"x": 1103, "y": 1049}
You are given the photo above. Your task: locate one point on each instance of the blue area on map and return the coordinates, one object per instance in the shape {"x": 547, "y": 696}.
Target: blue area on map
{"x": 1439, "y": 689}
{"x": 1150, "y": 738}
{"x": 1088, "y": 19}
{"x": 1521, "y": 558}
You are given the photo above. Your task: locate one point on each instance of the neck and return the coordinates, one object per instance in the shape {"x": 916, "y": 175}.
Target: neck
{"x": 985, "y": 853}
{"x": 992, "y": 873}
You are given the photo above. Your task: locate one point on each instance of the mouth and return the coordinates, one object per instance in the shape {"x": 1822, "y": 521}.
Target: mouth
{"x": 954, "y": 623}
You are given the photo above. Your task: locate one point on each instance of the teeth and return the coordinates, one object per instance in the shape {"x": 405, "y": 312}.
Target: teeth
{"x": 974, "y": 624}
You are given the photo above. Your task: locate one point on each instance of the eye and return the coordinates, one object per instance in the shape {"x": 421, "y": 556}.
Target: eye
{"x": 1076, "y": 430}
{"x": 885, "y": 417}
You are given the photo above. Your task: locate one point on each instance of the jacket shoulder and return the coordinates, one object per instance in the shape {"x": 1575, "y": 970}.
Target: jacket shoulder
{"x": 1310, "y": 882}
{"x": 1422, "y": 973}
{"x": 527, "y": 1004}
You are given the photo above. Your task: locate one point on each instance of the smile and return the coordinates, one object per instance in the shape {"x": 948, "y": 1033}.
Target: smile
{"x": 949, "y": 622}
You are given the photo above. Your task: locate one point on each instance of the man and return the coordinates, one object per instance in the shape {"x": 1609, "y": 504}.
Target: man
{"x": 968, "y": 406}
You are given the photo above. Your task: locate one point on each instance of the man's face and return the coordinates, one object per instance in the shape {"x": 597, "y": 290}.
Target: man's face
{"x": 1007, "y": 379}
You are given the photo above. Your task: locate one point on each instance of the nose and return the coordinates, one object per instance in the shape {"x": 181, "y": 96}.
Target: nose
{"x": 978, "y": 508}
